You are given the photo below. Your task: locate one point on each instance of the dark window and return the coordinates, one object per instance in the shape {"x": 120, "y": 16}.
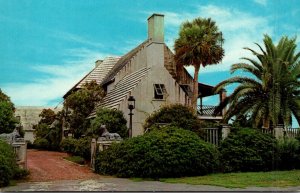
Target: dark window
{"x": 159, "y": 91}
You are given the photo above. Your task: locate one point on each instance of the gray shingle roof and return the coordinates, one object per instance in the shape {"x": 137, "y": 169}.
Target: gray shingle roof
{"x": 97, "y": 74}
{"x": 122, "y": 88}
{"x": 122, "y": 62}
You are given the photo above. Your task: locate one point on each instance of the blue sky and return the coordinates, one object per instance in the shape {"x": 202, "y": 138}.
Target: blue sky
{"x": 49, "y": 45}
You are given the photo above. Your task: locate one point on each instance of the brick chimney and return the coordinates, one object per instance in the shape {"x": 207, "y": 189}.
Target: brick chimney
{"x": 156, "y": 28}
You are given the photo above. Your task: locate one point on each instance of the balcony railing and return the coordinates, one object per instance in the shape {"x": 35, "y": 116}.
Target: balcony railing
{"x": 206, "y": 110}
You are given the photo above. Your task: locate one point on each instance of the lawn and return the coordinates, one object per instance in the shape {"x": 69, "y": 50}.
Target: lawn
{"x": 75, "y": 159}
{"x": 243, "y": 180}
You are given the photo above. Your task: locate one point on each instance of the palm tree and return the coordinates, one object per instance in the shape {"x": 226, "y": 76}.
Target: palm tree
{"x": 199, "y": 43}
{"x": 271, "y": 94}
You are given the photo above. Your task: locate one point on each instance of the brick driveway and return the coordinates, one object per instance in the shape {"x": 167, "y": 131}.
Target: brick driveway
{"x": 50, "y": 166}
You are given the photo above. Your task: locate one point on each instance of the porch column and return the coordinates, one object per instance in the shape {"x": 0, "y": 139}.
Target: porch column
{"x": 201, "y": 106}
{"x": 223, "y": 95}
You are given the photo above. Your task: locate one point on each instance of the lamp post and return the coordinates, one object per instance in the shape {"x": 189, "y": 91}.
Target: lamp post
{"x": 131, "y": 106}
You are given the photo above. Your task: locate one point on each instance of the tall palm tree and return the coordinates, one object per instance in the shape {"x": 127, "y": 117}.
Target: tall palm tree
{"x": 199, "y": 43}
{"x": 271, "y": 94}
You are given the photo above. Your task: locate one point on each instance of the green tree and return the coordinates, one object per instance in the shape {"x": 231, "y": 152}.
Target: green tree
{"x": 199, "y": 43}
{"x": 48, "y": 130}
{"x": 81, "y": 103}
{"x": 270, "y": 95}
{"x": 47, "y": 116}
{"x": 113, "y": 119}
{"x": 7, "y": 118}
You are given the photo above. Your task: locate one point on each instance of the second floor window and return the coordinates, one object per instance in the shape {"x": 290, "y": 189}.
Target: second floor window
{"x": 159, "y": 91}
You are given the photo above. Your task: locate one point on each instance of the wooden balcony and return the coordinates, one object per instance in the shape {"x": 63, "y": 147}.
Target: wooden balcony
{"x": 207, "y": 112}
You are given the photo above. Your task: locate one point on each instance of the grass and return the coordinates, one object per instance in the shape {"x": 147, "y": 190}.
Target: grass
{"x": 75, "y": 159}
{"x": 243, "y": 180}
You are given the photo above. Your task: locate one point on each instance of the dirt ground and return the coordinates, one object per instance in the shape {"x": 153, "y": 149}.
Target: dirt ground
{"x": 49, "y": 166}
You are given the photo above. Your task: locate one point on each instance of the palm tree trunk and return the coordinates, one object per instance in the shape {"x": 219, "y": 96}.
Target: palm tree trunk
{"x": 195, "y": 89}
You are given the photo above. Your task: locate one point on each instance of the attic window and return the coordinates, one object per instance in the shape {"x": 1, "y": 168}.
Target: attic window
{"x": 159, "y": 91}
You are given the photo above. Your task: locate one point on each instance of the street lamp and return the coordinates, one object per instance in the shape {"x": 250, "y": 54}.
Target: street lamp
{"x": 131, "y": 105}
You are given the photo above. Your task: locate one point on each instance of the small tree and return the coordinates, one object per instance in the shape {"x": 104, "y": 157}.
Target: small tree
{"x": 113, "y": 119}
{"x": 81, "y": 103}
{"x": 48, "y": 130}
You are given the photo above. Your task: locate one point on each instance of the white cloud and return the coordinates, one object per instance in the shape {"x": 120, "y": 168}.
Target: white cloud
{"x": 62, "y": 77}
{"x": 240, "y": 29}
{"x": 261, "y": 2}
{"x": 74, "y": 38}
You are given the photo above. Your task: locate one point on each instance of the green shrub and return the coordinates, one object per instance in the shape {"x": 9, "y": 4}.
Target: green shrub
{"x": 41, "y": 143}
{"x": 289, "y": 153}
{"x": 248, "y": 150}
{"x": 7, "y": 163}
{"x": 83, "y": 148}
{"x": 113, "y": 119}
{"x": 20, "y": 173}
{"x": 165, "y": 152}
{"x": 80, "y": 147}
{"x": 68, "y": 145}
{"x": 175, "y": 115}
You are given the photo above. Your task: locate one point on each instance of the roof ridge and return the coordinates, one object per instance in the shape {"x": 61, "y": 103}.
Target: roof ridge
{"x": 122, "y": 62}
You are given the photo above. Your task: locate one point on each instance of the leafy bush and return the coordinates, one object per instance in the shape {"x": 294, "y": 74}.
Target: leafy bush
{"x": 289, "y": 153}
{"x": 83, "y": 148}
{"x": 51, "y": 134}
{"x": 41, "y": 143}
{"x": 80, "y": 147}
{"x": 175, "y": 115}
{"x": 248, "y": 150}
{"x": 113, "y": 119}
{"x": 7, "y": 163}
{"x": 20, "y": 173}
{"x": 68, "y": 145}
{"x": 165, "y": 152}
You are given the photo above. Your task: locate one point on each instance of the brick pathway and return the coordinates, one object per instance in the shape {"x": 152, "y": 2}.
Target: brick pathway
{"x": 49, "y": 166}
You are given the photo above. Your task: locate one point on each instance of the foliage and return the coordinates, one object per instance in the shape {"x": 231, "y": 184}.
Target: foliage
{"x": 7, "y": 119}
{"x": 248, "y": 150}
{"x": 81, "y": 103}
{"x": 83, "y": 148}
{"x": 20, "y": 173}
{"x": 75, "y": 159}
{"x": 289, "y": 153}
{"x": 68, "y": 145}
{"x": 49, "y": 129}
{"x": 270, "y": 95}
{"x": 8, "y": 165}
{"x": 199, "y": 43}
{"x": 244, "y": 179}
{"x": 79, "y": 147}
{"x": 175, "y": 115}
{"x": 47, "y": 116}
{"x": 113, "y": 119}
{"x": 167, "y": 152}
{"x": 41, "y": 143}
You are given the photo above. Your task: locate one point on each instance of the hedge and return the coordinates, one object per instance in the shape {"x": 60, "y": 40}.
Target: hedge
{"x": 248, "y": 150}
{"x": 168, "y": 152}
